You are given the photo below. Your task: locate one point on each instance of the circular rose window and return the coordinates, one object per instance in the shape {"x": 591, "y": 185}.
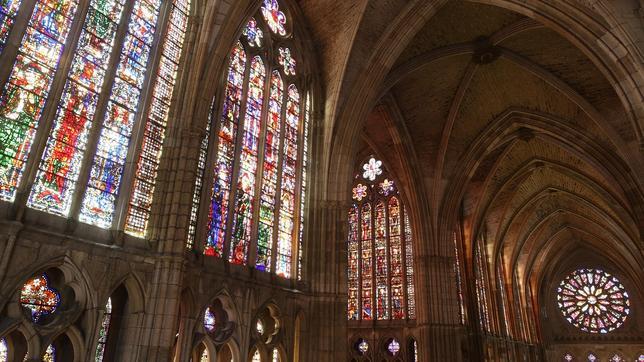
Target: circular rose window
{"x": 593, "y": 301}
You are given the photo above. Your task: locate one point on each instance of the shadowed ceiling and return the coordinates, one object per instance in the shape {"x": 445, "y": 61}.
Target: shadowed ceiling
{"x": 515, "y": 123}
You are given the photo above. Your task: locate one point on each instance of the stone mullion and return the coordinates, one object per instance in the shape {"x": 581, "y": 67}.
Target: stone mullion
{"x": 278, "y": 185}
{"x": 138, "y": 132}
{"x": 239, "y": 138}
{"x": 101, "y": 107}
{"x": 10, "y": 51}
{"x": 261, "y": 140}
{"x": 45, "y": 123}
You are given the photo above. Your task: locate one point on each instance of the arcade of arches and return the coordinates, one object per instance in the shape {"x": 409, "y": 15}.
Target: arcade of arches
{"x": 319, "y": 180}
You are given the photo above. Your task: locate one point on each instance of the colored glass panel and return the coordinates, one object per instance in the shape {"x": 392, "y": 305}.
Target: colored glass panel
{"x": 269, "y": 174}
{"x": 382, "y": 270}
{"x": 50, "y": 354}
{"x": 393, "y": 347}
{"x": 201, "y": 171}
{"x": 275, "y": 19}
{"x": 366, "y": 245}
{"x": 459, "y": 280}
{"x": 4, "y": 350}
{"x": 253, "y": 33}
{"x": 209, "y": 321}
{"x": 286, "y": 60}
{"x": 372, "y": 169}
{"x": 286, "y": 226}
{"x": 409, "y": 264}
{"x": 303, "y": 189}
{"x": 59, "y": 168}
{"x": 256, "y": 357}
{"x": 114, "y": 140}
{"x": 363, "y": 347}
{"x": 155, "y": 127}
{"x": 219, "y": 204}
{"x": 204, "y": 356}
{"x": 41, "y": 299}
{"x": 23, "y": 97}
{"x": 481, "y": 287}
{"x": 593, "y": 301}
{"x": 104, "y": 331}
{"x": 245, "y": 195}
{"x": 396, "y": 261}
{"x": 276, "y": 355}
{"x": 353, "y": 274}
{"x": 8, "y": 11}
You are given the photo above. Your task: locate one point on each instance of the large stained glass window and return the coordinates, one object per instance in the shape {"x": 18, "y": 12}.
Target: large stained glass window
{"x": 260, "y": 153}
{"x": 593, "y": 301}
{"x": 93, "y": 115}
{"x": 39, "y": 297}
{"x": 104, "y": 331}
{"x": 23, "y": 97}
{"x": 60, "y": 166}
{"x": 157, "y": 121}
{"x": 380, "y": 271}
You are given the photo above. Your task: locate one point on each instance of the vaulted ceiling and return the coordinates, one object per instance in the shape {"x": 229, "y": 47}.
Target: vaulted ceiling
{"x": 501, "y": 115}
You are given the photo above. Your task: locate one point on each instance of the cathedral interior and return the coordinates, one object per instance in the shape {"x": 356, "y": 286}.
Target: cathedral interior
{"x": 321, "y": 180}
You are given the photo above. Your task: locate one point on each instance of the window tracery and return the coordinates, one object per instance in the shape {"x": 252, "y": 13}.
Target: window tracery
{"x": 593, "y": 301}
{"x": 258, "y": 193}
{"x": 380, "y": 250}
{"x": 39, "y": 297}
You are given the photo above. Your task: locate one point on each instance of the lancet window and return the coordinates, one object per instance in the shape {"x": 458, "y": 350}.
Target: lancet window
{"x": 380, "y": 249}
{"x": 257, "y": 143}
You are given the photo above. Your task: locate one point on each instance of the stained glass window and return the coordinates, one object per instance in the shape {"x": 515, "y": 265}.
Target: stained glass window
{"x": 23, "y": 98}
{"x": 104, "y": 331}
{"x": 245, "y": 194}
{"x": 8, "y": 11}
{"x": 257, "y": 199}
{"x": 209, "y": 321}
{"x": 39, "y": 297}
{"x": 393, "y": 347}
{"x": 379, "y": 249}
{"x": 227, "y": 134}
{"x": 459, "y": 280}
{"x": 204, "y": 356}
{"x": 568, "y": 357}
{"x": 480, "y": 274}
{"x": 259, "y": 327}
{"x": 616, "y": 358}
{"x": 275, "y": 18}
{"x": 257, "y": 357}
{"x": 97, "y": 106}
{"x": 4, "y": 350}
{"x": 276, "y": 355}
{"x": 201, "y": 171}
{"x": 60, "y": 166}
{"x": 270, "y": 172}
{"x": 362, "y": 346}
{"x": 592, "y": 357}
{"x": 593, "y": 301}
{"x": 50, "y": 354}
{"x": 107, "y": 168}
{"x": 157, "y": 120}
